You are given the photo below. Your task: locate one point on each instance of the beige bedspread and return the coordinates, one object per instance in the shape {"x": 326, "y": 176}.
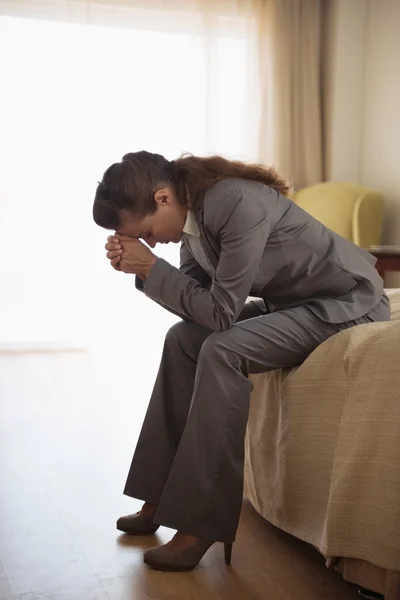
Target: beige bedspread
{"x": 323, "y": 445}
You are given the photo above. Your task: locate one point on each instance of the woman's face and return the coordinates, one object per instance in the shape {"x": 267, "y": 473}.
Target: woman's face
{"x": 162, "y": 227}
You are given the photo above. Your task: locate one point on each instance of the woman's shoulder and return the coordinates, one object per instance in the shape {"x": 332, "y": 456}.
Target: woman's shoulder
{"x": 233, "y": 191}
{"x": 237, "y": 186}
{"x": 241, "y": 200}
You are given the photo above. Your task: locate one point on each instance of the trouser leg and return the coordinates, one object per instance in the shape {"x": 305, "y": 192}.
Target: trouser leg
{"x": 203, "y": 492}
{"x": 168, "y": 409}
{"x": 167, "y": 412}
{"x": 195, "y": 465}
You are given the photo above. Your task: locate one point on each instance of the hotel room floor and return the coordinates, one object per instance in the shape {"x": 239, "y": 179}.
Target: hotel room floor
{"x": 66, "y": 439}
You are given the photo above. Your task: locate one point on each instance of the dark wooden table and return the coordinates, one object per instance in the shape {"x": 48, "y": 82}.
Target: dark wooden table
{"x": 387, "y": 261}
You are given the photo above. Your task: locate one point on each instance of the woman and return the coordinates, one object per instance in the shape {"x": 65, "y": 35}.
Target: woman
{"x": 240, "y": 236}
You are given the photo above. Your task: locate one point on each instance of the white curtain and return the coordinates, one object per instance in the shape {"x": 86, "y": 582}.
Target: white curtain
{"x": 82, "y": 84}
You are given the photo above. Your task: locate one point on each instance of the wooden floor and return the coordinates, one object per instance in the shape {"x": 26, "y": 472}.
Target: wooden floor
{"x": 68, "y": 424}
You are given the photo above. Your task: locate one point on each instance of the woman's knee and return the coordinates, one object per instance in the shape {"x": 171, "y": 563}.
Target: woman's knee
{"x": 187, "y": 336}
{"x": 177, "y": 334}
{"x": 219, "y": 345}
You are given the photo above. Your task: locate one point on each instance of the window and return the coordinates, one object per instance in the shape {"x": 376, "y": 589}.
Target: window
{"x": 75, "y": 98}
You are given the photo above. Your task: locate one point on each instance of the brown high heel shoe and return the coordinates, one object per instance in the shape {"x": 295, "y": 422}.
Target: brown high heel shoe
{"x": 138, "y": 524}
{"x": 165, "y": 559}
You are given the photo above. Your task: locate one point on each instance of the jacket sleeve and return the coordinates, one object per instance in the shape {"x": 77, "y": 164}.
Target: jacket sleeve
{"x": 188, "y": 266}
{"x": 242, "y": 220}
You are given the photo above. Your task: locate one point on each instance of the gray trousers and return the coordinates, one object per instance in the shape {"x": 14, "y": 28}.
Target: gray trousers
{"x": 189, "y": 457}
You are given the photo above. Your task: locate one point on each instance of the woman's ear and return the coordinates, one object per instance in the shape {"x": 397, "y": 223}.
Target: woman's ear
{"x": 163, "y": 197}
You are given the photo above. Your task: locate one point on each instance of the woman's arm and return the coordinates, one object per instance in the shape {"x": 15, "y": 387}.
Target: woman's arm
{"x": 242, "y": 217}
{"x": 188, "y": 266}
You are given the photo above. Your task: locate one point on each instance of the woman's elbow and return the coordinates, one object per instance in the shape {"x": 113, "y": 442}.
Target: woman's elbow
{"x": 222, "y": 321}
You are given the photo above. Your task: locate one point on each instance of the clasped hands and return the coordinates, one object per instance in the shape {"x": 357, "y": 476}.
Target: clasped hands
{"x": 130, "y": 255}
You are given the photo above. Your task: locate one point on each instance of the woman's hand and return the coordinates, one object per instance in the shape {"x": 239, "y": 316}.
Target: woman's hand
{"x": 114, "y": 251}
{"x": 136, "y": 257}
{"x": 130, "y": 255}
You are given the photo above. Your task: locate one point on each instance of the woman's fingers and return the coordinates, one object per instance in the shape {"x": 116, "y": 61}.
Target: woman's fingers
{"x": 115, "y": 263}
{"x": 111, "y": 246}
{"x": 114, "y": 253}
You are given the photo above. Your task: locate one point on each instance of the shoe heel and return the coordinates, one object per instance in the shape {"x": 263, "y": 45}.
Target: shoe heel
{"x": 228, "y": 552}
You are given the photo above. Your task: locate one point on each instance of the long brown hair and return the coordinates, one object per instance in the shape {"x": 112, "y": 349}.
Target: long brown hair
{"x": 130, "y": 184}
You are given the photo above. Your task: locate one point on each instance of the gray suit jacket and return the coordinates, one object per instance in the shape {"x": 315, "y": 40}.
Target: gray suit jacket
{"x": 262, "y": 244}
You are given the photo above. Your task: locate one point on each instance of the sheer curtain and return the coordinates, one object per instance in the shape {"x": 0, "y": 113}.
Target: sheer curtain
{"x": 296, "y": 102}
{"x": 83, "y": 83}
{"x": 292, "y": 83}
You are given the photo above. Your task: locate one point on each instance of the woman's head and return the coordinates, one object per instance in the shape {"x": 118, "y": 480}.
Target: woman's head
{"x": 147, "y": 196}
{"x": 137, "y": 197}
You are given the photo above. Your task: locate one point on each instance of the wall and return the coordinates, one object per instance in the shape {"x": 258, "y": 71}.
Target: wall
{"x": 381, "y": 142}
{"x": 362, "y": 89}
{"x": 345, "y": 34}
